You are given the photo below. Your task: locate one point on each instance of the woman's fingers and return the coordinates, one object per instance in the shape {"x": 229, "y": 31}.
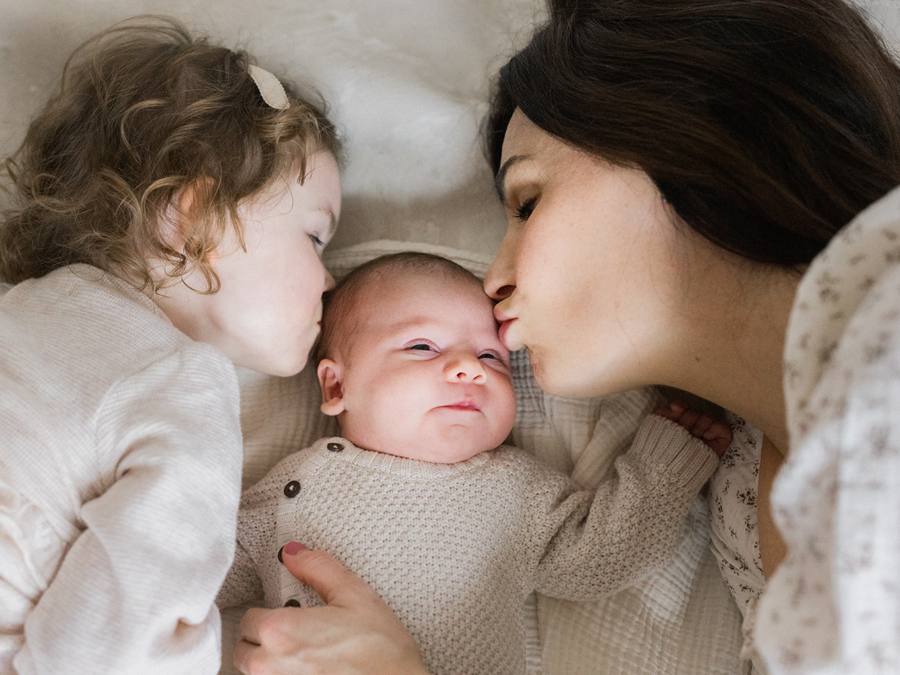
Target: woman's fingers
{"x": 355, "y": 632}
{"x": 337, "y": 586}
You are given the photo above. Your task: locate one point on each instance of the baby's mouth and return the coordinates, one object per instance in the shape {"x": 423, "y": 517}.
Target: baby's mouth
{"x": 464, "y": 405}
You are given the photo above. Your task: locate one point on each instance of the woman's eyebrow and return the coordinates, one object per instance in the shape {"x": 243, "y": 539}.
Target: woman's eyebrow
{"x": 500, "y": 178}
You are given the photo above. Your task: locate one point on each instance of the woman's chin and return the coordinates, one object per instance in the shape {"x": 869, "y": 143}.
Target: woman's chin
{"x": 572, "y": 380}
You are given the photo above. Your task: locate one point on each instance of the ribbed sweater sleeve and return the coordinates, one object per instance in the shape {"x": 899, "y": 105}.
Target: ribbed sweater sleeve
{"x": 587, "y": 544}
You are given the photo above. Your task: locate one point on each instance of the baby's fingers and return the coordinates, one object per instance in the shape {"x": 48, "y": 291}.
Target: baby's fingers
{"x": 717, "y": 437}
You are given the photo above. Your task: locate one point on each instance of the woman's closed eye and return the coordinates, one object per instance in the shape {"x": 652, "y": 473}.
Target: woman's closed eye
{"x": 524, "y": 211}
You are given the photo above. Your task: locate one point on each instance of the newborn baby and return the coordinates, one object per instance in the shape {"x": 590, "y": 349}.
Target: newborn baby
{"x": 420, "y": 497}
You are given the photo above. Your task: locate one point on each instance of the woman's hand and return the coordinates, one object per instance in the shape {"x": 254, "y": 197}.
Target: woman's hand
{"x": 355, "y": 632}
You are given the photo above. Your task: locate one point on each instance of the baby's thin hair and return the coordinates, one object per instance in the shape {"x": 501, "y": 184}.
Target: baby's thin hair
{"x": 146, "y": 110}
{"x": 339, "y": 318}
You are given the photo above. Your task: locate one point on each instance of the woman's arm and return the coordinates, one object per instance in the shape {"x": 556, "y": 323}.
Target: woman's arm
{"x": 355, "y": 632}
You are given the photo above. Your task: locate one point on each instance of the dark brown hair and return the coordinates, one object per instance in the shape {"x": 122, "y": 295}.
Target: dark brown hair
{"x": 766, "y": 124}
{"x": 339, "y": 318}
{"x": 146, "y": 110}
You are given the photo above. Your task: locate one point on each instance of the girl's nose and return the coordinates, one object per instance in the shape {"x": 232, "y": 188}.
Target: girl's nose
{"x": 465, "y": 368}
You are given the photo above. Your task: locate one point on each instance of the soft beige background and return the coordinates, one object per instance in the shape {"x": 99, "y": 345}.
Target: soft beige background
{"x": 407, "y": 81}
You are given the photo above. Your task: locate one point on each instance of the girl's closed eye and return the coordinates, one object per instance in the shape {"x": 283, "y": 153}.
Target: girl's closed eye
{"x": 422, "y": 346}
{"x": 318, "y": 244}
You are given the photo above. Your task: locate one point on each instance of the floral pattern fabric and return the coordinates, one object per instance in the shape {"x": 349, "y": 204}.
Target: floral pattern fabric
{"x": 833, "y": 605}
{"x": 733, "y": 530}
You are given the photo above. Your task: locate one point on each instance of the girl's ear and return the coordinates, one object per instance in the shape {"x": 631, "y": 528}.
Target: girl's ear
{"x": 331, "y": 381}
{"x": 175, "y": 222}
{"x": 178, "y": 220}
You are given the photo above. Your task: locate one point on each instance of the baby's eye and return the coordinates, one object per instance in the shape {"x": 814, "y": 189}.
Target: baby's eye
{"x": 422, "y": 346}
{"x": 488, "y": 355}
{"x": 524, "y": 211}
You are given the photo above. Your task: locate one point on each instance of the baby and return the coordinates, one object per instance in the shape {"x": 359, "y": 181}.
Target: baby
{"x": 421, "y": 498}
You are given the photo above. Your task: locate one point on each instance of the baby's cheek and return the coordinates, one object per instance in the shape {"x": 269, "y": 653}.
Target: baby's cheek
{"x": 507, "y": 415}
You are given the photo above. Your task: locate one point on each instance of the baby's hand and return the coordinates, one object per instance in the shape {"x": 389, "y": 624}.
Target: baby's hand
{"x": 715, "y": 434}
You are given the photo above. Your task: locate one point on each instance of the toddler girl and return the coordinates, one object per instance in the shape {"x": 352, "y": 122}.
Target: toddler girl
{"x": 172, "y": 204}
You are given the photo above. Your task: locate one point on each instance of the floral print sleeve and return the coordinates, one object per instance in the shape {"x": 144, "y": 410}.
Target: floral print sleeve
{"x": 833, "y": 606}
{"x": 733, "y": 532}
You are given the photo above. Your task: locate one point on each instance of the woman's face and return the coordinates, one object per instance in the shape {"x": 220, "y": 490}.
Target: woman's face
{"x": 591, "y": 273}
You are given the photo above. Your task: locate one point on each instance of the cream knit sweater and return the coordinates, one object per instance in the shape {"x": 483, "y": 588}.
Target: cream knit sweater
{"x": 455, "y": 549}
{"x": 120, "y": 460}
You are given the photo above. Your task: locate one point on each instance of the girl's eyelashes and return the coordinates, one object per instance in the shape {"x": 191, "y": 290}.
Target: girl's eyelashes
{"x": 489, "y": 355}
{"x": 524, "y": 211}
{"x": 317, "y": 243}
{"x": 421, "y": 346}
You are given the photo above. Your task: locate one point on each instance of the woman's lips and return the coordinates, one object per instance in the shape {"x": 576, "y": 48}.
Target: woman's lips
{"x": 507, "y": 341}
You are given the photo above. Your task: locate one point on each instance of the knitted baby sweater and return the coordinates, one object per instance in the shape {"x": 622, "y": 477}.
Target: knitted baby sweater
{"x": 455, "y": 549}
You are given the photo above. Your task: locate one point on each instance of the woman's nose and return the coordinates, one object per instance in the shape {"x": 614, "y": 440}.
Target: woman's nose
{"x": 500, "y": 280}
{"x": 465, "y": 368}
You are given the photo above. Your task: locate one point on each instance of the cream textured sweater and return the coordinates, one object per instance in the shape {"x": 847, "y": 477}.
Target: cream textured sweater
{"x": 455, "y": 549}
{"x": 120, "y": 460}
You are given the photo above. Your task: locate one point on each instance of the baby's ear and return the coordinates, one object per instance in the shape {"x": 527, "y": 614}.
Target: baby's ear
{"x": 331, "y": 381}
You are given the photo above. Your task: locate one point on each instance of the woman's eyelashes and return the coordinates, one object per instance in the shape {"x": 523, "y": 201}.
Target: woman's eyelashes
{"x": 524, "y": 211}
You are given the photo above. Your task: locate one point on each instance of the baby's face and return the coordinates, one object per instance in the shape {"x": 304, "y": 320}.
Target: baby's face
{"x": 425, "y": 376}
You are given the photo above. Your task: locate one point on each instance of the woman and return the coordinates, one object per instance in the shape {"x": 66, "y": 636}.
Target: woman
{"x": 673, "y": 174}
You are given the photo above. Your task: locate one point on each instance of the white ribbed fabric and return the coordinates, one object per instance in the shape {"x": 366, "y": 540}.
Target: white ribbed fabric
{"x": 833, "y": 605}
{"x": 680, "y": 620}
{"x": 455, "y": 549}
{"x": 119, "y": 482}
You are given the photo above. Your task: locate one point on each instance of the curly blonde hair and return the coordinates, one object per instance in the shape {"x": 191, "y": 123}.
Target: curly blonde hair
{"x": 146, "y": 110}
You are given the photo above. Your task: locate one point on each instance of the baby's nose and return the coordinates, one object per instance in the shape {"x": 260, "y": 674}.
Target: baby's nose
{"x": 465, "y": 368}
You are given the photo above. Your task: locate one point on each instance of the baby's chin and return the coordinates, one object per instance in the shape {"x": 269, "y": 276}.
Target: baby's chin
{"x": 434, "y": 451}
{"x": 435, "y": 443}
